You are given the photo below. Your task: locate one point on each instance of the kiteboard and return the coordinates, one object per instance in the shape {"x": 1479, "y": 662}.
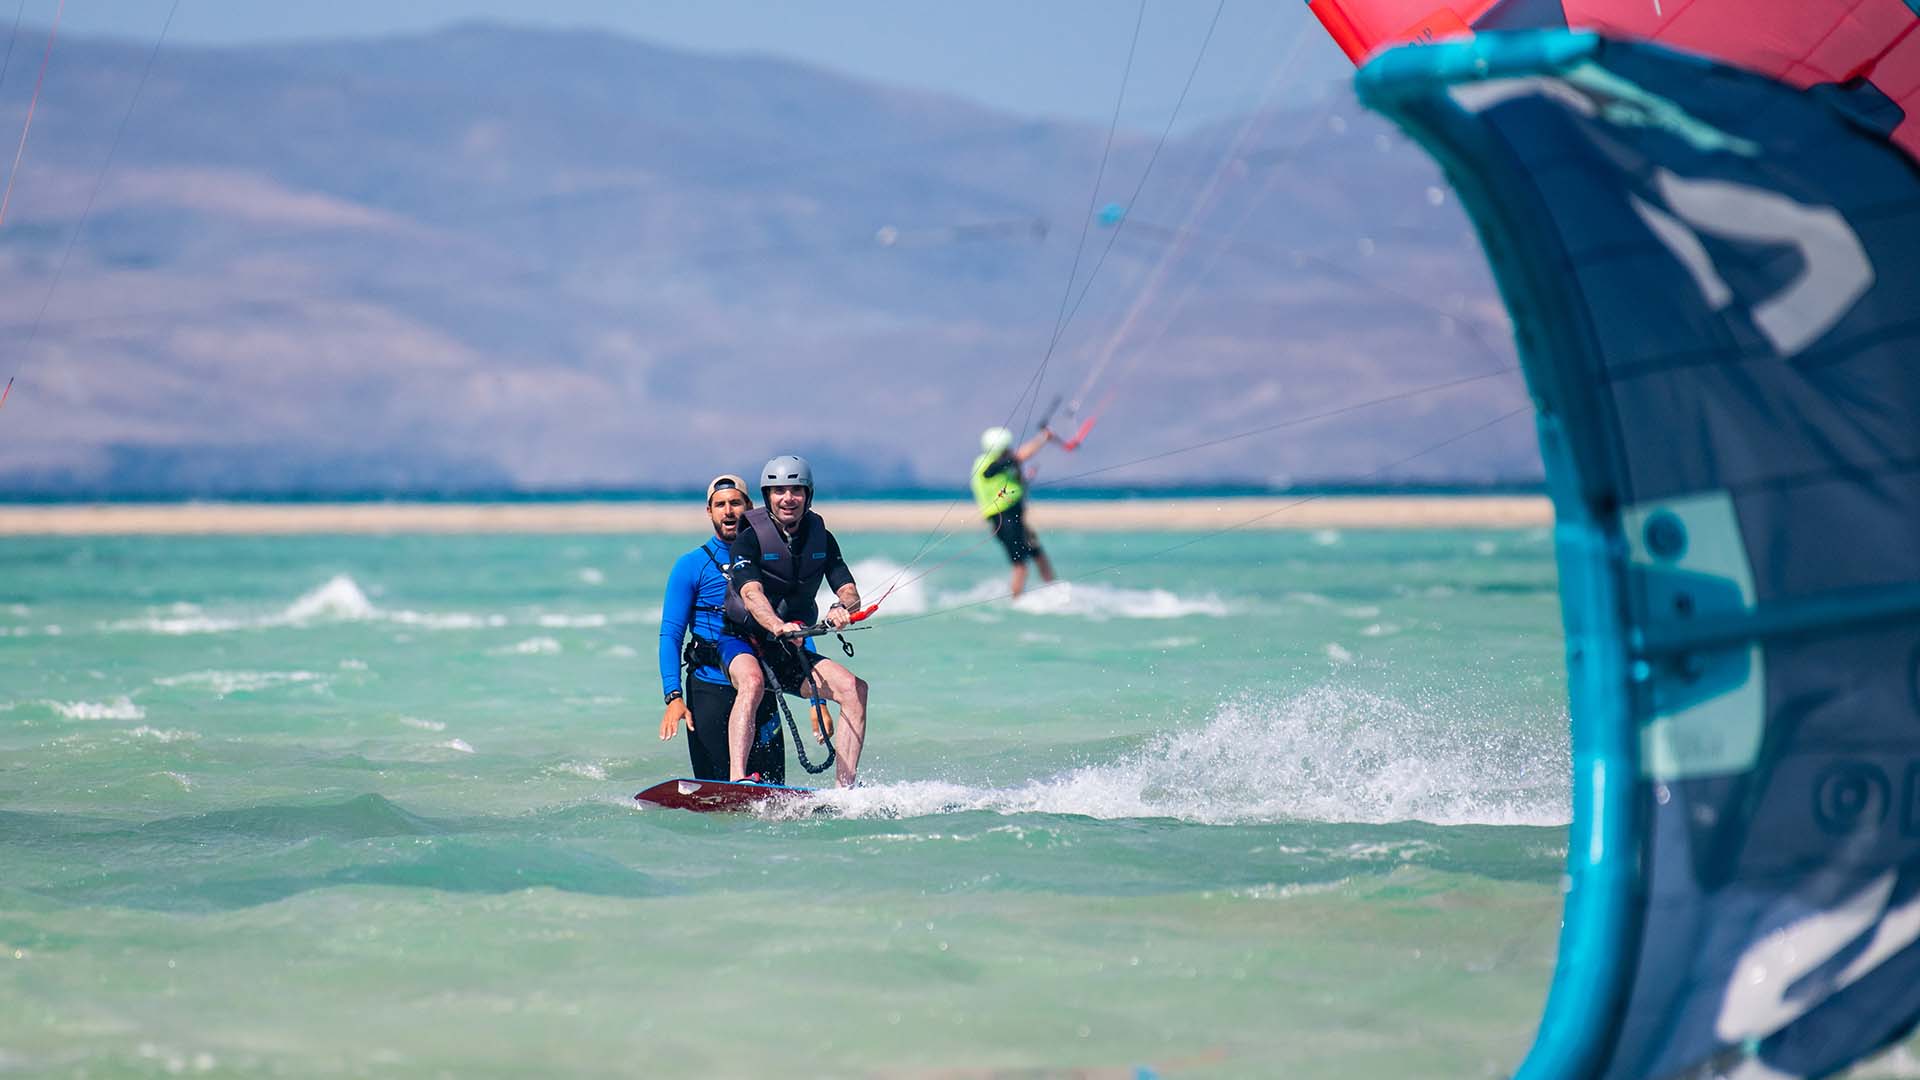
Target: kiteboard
{"x": 705, "y": 795}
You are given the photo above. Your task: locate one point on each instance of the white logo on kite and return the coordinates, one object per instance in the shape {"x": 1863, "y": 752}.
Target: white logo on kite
{"x": 1757, "y": 1002}
{"x": 1834, "y": 271}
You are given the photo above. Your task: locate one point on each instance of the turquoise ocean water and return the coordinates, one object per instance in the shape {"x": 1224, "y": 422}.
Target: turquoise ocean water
{"x": 1264, "y": 804}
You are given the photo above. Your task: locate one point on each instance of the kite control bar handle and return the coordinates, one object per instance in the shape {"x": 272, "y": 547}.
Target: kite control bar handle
{"x": 821, "y": 629}
{"x": 1079, "y": 436}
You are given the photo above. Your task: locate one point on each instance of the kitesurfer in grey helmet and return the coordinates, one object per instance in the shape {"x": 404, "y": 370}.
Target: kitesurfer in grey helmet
{"x": 781, "y": 556}
{"x": 1000, "y": 491}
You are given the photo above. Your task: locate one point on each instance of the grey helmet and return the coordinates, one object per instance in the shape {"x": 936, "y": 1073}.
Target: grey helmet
{"x": 786, "y": 471}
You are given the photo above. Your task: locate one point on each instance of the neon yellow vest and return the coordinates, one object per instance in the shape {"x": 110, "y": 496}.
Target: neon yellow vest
{"x": 995, "y": 495}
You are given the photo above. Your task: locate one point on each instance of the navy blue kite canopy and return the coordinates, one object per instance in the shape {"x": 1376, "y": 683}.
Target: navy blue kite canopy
{"x": 1715, "y": 285}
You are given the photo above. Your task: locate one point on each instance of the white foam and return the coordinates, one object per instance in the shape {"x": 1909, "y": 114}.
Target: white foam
{"x": 907, "y": 594}
{"x": 583, "y": 769}
{"x": 592, "y": 576}
{"x": 120, "y": 708}
{"x": 165, "y": 735}
{"x": 458, "y": 744}
{"x": 338, "y": 599}
{"x": 223, "y": 683}
{"x": 1338, "y": 654}
{"x": 341, "y": 599}
{"x": 444, "y": 620}
{"x": 879, "y": 577}
{"x": 1329, "y": 754}
{"x": 1093, "y": 601}
{"x": 1291, "y": 890}
{"x": 1326, "y": 537}
{"x": 423, "y": 725}
{"x": 622, "y": 651}
{"x": 595, "y": 701}
{"x": 177, "y": 625}
{"x": 534, "y": 646}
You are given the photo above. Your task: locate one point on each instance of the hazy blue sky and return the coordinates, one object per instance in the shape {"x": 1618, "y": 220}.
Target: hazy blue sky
{"x": 1053, "y": 57}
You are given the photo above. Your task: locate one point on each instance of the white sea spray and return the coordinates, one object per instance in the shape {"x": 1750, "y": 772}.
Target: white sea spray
{"x": 533, "y": 646}
{"x": 1328, "y": 754}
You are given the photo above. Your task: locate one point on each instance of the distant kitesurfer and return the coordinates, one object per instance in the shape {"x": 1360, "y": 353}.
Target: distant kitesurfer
{"x": 696, "y": 605}
{"x": 999, "y": 488}
{"x": 782, "y": 554}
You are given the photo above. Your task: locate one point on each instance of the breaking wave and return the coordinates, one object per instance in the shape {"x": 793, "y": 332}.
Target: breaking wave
{"x": 340, "y": 599}
{"x": 120, "y": 708}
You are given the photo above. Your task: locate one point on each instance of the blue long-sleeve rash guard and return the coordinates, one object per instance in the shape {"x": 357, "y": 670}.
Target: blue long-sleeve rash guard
{"x": 696, "y": 593}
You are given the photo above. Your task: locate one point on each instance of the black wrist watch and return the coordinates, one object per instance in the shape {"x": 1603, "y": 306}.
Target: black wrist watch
{"x": 672, "y": 696}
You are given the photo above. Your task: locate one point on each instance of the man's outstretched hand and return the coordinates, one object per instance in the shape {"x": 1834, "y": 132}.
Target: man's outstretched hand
{"x": 676, "y": 712}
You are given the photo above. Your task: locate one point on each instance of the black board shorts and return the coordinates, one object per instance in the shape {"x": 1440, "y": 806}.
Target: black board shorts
{"x": 791, "y": 663}
{"x": 710, "y": 704}
{"x": 1010, "y": 527}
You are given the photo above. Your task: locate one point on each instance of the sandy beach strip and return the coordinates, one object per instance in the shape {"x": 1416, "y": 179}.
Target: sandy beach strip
{"x": 1094, "y": 515}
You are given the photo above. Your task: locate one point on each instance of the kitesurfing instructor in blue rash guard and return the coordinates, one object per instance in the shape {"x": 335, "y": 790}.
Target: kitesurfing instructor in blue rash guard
{"x": 696, "y": 602}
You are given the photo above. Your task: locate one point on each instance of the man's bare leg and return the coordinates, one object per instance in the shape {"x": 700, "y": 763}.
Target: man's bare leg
{"x": 1046, "y": 567}
{"x": 1019, "y": 579}
{"x": 831, "y": 680}
{"x": 748, "y": 685}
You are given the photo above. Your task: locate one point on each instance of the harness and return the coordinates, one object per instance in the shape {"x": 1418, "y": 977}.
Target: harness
{"x": 995, "y": 491}
{"x": 704, "y": 652}
{"x": 780, "y": 701}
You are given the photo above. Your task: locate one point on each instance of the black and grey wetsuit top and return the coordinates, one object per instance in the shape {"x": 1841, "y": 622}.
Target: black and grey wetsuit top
{"x": 790, "y": 569}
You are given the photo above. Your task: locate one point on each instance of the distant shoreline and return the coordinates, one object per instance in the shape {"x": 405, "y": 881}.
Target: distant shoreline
{"x": 1266, "y": 512}
{"x": 643, "y": 496}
